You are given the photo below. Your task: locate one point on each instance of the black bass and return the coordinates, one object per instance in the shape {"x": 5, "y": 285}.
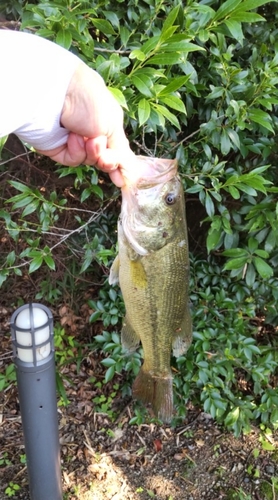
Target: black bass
{"x": 152, "y": 268}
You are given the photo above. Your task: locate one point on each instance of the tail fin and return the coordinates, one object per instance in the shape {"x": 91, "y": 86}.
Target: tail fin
{"x": 158, "y": 391}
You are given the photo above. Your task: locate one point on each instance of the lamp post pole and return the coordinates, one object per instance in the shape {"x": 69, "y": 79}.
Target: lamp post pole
{"x": 33, "y": 349}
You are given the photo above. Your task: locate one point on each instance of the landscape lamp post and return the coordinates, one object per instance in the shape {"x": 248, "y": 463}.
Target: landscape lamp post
{"x": 33, "y": 349}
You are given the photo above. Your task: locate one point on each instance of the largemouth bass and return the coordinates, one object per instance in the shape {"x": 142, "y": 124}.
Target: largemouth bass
{"x": 152, "y": 268}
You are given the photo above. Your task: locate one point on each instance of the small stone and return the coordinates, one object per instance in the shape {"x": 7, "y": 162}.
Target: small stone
{"x": 237, "y": 467}
{"x": 270, "y": 469}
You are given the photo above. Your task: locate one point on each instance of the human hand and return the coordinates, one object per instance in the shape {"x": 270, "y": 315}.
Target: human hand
{"x": 95, "y": 121}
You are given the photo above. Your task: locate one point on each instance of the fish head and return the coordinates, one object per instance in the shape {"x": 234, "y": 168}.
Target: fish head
{"x": 153, "y": 208}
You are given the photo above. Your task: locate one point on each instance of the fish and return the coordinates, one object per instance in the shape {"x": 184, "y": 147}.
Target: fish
{"x": 152, "y": 269}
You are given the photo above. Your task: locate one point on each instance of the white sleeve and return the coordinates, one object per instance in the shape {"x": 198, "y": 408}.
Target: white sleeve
{"x": 34, "y": 77}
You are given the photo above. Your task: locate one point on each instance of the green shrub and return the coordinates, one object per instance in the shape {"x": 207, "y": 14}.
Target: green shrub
{"x": 197, "y": 82}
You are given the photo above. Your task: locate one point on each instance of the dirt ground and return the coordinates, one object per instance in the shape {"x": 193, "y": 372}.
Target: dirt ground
{"x": 106, "y": 458}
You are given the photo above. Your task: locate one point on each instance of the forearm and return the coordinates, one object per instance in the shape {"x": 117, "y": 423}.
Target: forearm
{"x": 31, "y": 105}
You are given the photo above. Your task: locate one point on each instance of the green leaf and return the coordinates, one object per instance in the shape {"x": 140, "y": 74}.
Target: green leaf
{"x": 144, "y": 111}
{"x": 268, "y": 446}
{"x": 137, "y": 54}
{"x": 264, "y": 270}
{"x": 36, "y": 263}
{"x": 103, "y": 26}
{"x": 234, "y": 192}
{"x": 20, "y": 187}
{"x": 225, "y": 143}
{"x": 232, "y": 417}
{"x": 213, "y": 239}
{"x": 94, "y": 317}
{"x": 226, "y": 8}
{"x": 166, "y": 34}
{"x": 113, "y": 295}
{"x": 165, "y": 59}
{"x": 97, "y": 190}
{"x": 233, "y": 135}
{"x": 143, "y": 83}
{"x": 174, "y": 102}
{"x": 49, "y": 262}
{"x": 246, "y": 189}
{"x": 262, "y": 253}
{"x": 215, "y": 93}
{"x": 250, "y": 275}
{"x": 108, "y": 362}
{"x": 119, "y": 96}
{"x": 29, "y": 209}
{"x": 174, "y": 85}
{"x": 3, "y": 276}
{"x": 64, "y": 38}
{"x": 170, "y": 19}
{"x": 253, "y": 4}
{"x": 85, "y": 194}
{"x": 261, "y": 117}
{"x": 252, "y": 244}
{"x": 235, "y": 252}
{"x": 125, "y": 35}
{"x": 165, "y": 112}
{"x": 235, "y": 263}
{"x": 10, "y": 258}
{"x": 2, "y": 144}
{"x": 25, "y": 200}
{"x": 246, "y": 17}
{"x": 150, "y": 45}
{"x": 235, "y": 29}
{"x": 61, "y": 388}
{"x": 271, "y": 241}
{"x": 209, "y": 205}
{"x": 175, "y": 44}
{"x": 109, "y": 374}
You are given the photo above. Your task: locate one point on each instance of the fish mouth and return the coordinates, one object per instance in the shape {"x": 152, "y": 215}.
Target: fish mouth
{"x": 149, "y": 171}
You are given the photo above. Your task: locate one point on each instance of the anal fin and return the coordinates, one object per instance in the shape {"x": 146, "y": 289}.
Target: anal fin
{"x": 129, "y": 338}
{"x": 182, "y": 337}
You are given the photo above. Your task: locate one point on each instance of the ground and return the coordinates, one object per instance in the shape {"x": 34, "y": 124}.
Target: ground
{"x": 103, "y": 456}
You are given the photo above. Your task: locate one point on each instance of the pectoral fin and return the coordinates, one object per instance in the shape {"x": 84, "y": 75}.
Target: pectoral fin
{"x": 138, "y": 274}
{"x": 182, "y": 337}
{"x": 129, "y": 338}
{"x": 114, "y": 272}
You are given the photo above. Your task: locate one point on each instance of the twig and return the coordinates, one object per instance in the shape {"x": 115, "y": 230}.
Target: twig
{"x": 66, "y": 236}
{"x": 88, "y": 444}
{"x": 143, "y": 147}
{"x": 9, "y": 24}
{"x": 14, "y": 158}
{"x": 79, "y": 229}
{"x": 184, "y": 140}
{"x": 7, "y": 355}
{"x": 111, "y": 51}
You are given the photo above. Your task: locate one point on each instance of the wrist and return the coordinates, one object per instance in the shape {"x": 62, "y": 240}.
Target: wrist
{"x": 80, "y": 111}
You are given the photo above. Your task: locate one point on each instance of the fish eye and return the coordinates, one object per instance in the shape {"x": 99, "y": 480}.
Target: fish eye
{"x": 170, "y": 199}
